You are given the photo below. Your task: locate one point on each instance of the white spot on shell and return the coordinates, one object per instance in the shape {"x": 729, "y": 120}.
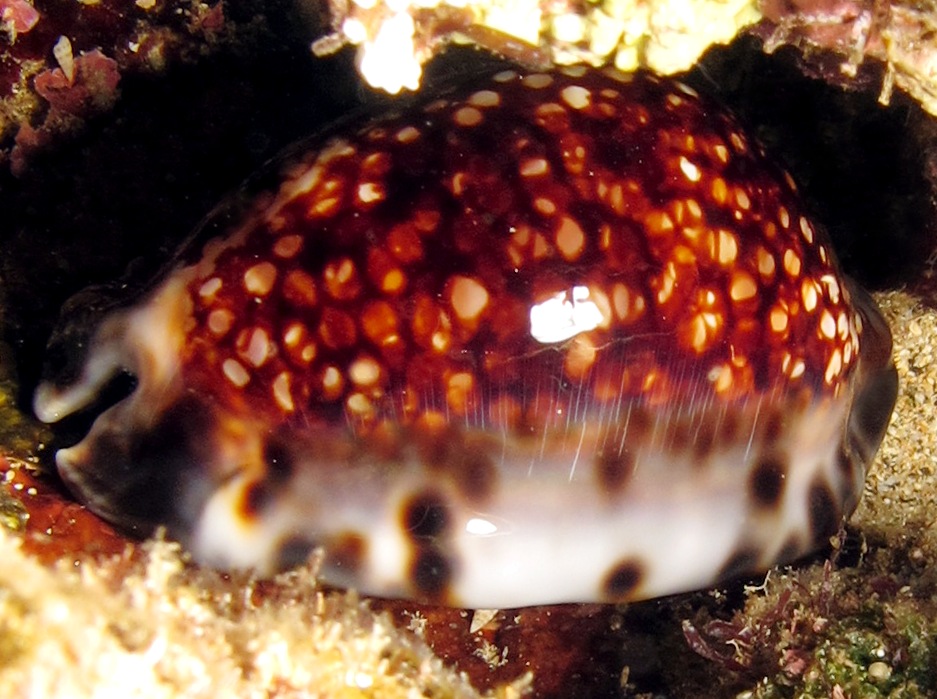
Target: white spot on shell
{"x": 293, "y": 334}
{"x": 364, "y": 371}
{"x": 685, "y": 89}
{"x": 834, "y": 366}
{"x": 727, "y": 247}
{"x": 210, "y": 288}
{"x": 721, "y": 377}
{"x": 332, "y": 380}
{"x": 742, "y": 287}
{"x": 842, "y": 325}
{"x": 258, "y": 280}
{"x": 808, "y": 292}
{"x": 694, "y": 208}
{"x": 545, "y": 206}
{"x": 791, "y": 262}
{"x": 629, "y": 305}
{"x": 485, "y": 98}
{"x": 537, "y": 81}
{"x": 258, "y": 347}
{"x": 287, "y": 246}
{"x": 778, "y": 319}
{"x": 220, "y": 321}
{"x": 576, "y": 96}
{"x": 358, "y": 404}
{"x": 674, "y": 100}
{"x": 827, "y": 325}
{"x": 533, "y": 167}
{"x": 569, "y": 238}
{"x": 408, "y": 134}
{"x": 618, "y": 75}
{"x": 281, "y": 391}
{"x": 766, "y": 262}
{"x": 436, "y": 106}
{"x": 235, "y": 372}
{"x": 690, "y": 170}
{"x": 458, "y": 182}
{"x": 369, "y": 192}
{"x": 798, "y": 369}
{"x": 806, "y": 229}
{"x": 832, "y": 287}
{"x": 468, "y": 116}
{"x": 575, "y": 71}
{"x": 469, "y": 297}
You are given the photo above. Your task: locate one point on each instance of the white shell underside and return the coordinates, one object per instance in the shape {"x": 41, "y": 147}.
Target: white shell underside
{"x": 547, "y": 534}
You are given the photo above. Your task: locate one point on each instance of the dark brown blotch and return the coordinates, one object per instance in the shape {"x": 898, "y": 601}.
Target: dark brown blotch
{"x": 705, "y": 438}
{"x": 791, "y": 550}
{"x": 258, "y": 495}
{"x": 640, "y": 427}
{"x": 729, "y": 429}
{"x": 430, "y": 574}
{"x": 822, "y": 511}
{"x": 425, "y": 516}
{"x": 475, "y": 475}
{"x": 622, "y": 581}
{"x": 347, "y": 552}
{"x": 613, "y": 469}
{"x": 766, "y": 484}
{"x": 744, "y": 560}
{"x": 773, "y": 427}
{"x": 255, "y": 498}
{"x": 293, "y": 551}
{"x": 278, "y": 459}
{"x": 437, "y": 445}
{"x": 681, "y": 435}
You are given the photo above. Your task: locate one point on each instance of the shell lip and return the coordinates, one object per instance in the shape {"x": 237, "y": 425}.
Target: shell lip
{"x": 138, "y": 477}
{"x": 877, "y": 379}
{"x": 76, "y": 406}
{"x": 84, "y": 485}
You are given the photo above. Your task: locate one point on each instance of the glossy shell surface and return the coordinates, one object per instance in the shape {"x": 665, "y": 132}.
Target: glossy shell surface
{"x": 547, "y": 337}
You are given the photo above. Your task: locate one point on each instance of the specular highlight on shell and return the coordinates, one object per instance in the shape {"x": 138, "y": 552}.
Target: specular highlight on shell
{"x": 548, "y": 337}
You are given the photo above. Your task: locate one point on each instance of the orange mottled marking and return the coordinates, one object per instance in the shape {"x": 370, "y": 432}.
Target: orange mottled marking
{"x": 397, "y": 271}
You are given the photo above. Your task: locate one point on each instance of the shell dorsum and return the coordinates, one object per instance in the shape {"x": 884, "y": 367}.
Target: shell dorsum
{"x": 559, "y": 336}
